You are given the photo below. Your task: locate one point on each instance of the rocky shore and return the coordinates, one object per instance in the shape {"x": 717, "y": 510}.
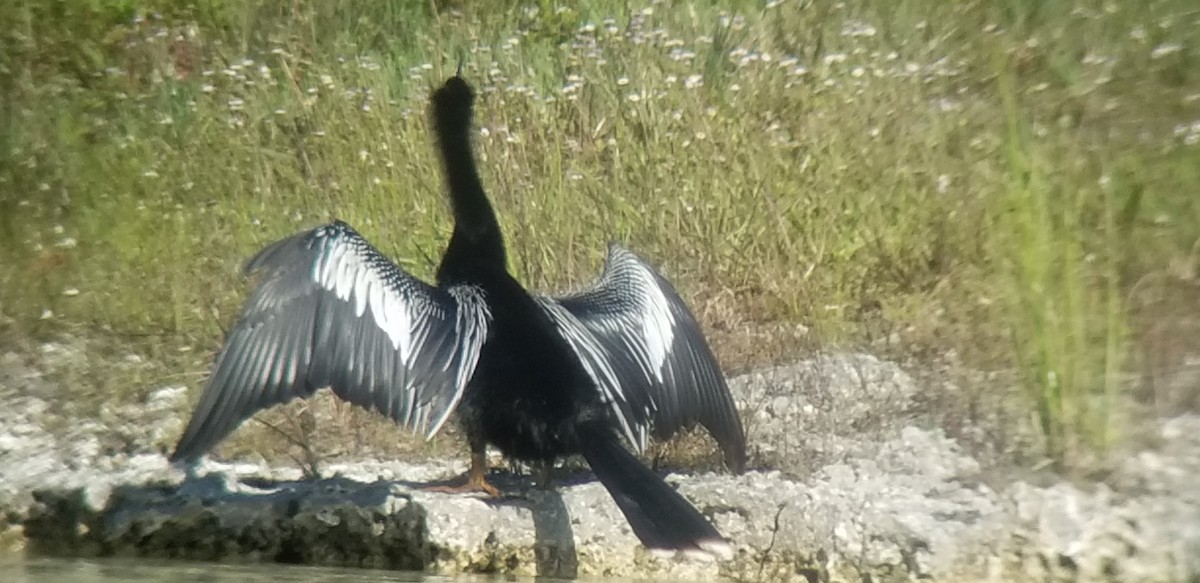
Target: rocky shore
{"x": 855, "y": 488}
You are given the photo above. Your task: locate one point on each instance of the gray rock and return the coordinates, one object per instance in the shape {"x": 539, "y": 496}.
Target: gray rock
{"x": 862, "y": 493}
{"x": 1149, "y": 530}
{"x": 802, "y": 416}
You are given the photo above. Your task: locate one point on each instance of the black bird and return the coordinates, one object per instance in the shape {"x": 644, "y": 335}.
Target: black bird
{"x": 537, "y": 377}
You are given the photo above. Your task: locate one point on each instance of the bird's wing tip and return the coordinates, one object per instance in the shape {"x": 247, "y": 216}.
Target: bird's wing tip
{"x": 616, "y": 247}
{"x": 736, "y": 456}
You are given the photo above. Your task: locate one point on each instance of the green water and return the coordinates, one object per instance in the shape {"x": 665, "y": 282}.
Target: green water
{"x": 56, "y": 570}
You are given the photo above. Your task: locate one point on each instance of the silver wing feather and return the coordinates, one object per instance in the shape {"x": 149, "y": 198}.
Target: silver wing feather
{"x": 333, "y": 311}
{"x": 646, "y": 353}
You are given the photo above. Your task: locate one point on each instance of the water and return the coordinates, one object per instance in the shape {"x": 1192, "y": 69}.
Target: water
{"x": 56, "y": 570}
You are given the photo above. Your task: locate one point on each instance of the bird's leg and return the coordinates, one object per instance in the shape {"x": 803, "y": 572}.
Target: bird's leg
{"x": 544, "y": 474}
{"x": 476, "y": 482}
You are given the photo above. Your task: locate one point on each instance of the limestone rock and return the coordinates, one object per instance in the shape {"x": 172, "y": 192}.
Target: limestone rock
{"x": 859, "y": 490}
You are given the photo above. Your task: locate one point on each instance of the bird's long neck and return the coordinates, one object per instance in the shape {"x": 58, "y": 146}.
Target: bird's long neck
{"x": 476, "y": 240}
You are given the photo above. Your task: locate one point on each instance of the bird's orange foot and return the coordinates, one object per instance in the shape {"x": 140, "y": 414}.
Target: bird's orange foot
{"x": 472, "y": 485}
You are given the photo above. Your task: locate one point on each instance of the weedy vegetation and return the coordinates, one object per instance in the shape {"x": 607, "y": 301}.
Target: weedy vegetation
{"x": 1005, "y": 184}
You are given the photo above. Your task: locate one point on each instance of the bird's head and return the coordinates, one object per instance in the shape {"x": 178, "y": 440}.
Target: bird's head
{"x": 452, "y": 105}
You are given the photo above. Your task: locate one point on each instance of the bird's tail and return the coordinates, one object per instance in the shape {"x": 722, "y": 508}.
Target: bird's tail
{"x": 660, "y": 517}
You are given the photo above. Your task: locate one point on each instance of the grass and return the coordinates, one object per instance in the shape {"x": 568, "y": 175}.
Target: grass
{"x": 1068, "y": 315}
{"x": 1011, "y": 181}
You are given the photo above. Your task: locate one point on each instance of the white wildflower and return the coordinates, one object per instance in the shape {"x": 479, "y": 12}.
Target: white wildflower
{"x": 854, "y": 28}
{"x": 834, "y": 58}
{"x": 1164, "y": 50}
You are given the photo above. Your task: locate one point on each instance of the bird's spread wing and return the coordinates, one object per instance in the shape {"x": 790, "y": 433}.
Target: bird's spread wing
{"x": 332, "y": 311}
{"x": 644, "y": 349}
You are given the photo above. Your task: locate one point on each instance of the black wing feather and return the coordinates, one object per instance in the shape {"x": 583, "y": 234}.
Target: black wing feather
{"x": 646, "y": 352}
{"x": 332, "y": 311}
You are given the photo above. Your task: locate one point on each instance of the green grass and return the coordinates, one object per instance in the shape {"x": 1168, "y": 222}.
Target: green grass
{"x": 1006, "y": 179}
{"x": 1067, "y": 310}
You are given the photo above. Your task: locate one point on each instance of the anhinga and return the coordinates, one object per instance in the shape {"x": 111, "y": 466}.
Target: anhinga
{"x": 538, "y": 377}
